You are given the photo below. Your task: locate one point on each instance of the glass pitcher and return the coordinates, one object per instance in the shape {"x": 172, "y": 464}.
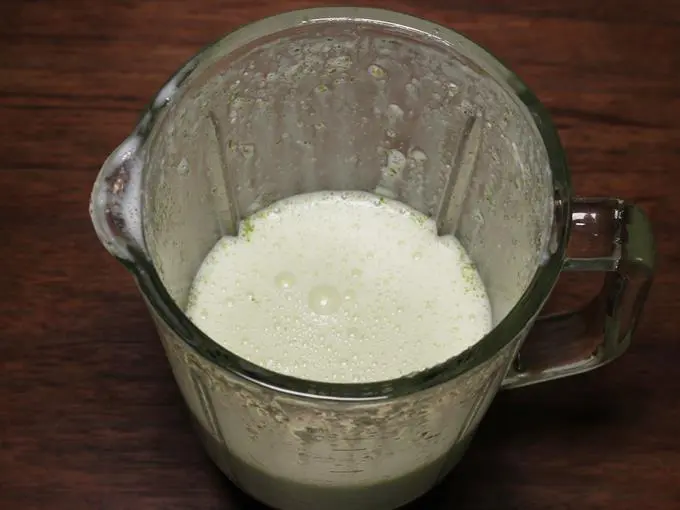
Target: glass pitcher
{"x": 371, "y": 100}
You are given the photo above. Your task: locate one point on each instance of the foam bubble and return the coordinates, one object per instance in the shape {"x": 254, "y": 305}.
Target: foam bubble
{"x": 324, "y": 299}
{"x": 285, "y": 280}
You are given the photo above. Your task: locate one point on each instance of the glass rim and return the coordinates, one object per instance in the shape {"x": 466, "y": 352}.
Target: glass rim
{"x": 512, "y": 325}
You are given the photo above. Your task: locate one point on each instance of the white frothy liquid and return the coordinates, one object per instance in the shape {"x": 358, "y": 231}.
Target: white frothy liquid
{"x": 340, "y": 287}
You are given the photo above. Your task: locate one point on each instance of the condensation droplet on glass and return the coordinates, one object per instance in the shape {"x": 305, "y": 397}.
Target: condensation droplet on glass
{"x": 418, "y": 155}
{"x": 342, "y": 62}
{"x": 395, "y": 112}
{"x": 183, "y": 167}
{"x": 248, "y": 150}
{"x": 396, "y": 161}
{"x": 377, "y": 72}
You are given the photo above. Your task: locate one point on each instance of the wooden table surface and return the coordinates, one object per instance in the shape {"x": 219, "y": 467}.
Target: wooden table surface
{"x": 90, "y": 417}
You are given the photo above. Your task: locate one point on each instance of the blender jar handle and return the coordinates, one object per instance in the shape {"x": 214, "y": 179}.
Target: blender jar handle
{"x": 607, "y": 235}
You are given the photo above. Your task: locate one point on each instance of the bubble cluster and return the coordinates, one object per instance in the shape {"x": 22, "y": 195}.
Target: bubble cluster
{"x": 340, "y": 287}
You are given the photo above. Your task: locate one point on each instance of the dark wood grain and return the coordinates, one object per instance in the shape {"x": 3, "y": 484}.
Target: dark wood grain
{"x": 90, "y": 417}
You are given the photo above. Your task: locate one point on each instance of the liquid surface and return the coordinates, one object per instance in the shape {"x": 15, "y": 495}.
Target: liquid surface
{"x": 340, "y": 287}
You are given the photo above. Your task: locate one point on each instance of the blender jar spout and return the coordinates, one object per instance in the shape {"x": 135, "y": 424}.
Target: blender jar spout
{"x": 116, "y": 199}
{"x": 115, "y": 202}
